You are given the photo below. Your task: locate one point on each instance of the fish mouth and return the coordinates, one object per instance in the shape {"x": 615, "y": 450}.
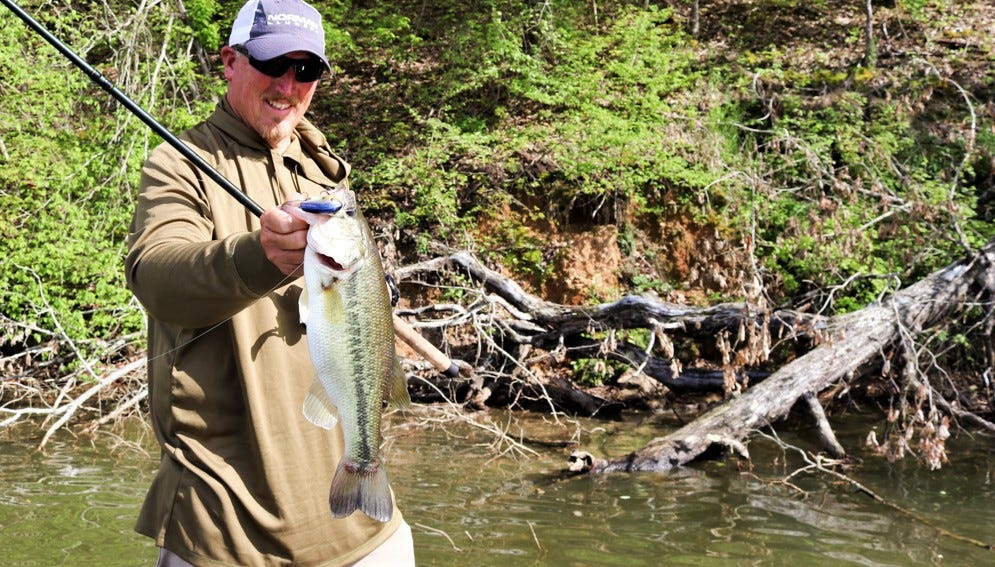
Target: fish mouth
{"x": 330, "y": 263}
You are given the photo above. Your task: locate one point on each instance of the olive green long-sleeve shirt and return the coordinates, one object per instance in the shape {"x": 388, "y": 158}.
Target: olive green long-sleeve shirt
{"x": 244, "y": 477}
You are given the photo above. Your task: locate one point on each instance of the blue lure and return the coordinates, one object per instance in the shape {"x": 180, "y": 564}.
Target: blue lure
{"x": 321, "y": 206}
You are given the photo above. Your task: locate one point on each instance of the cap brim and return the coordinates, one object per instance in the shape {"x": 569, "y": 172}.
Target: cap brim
{"x": 273, "y": 46}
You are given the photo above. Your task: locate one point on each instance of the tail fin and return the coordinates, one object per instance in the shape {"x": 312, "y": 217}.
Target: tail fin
{"x": 359, "y": 487}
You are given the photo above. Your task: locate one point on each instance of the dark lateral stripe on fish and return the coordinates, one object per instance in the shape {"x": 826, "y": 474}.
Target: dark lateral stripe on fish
{"x": 357, "y": 328}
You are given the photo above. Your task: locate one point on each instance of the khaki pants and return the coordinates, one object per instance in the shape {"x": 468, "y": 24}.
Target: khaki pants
{"x": 397, "y": 551}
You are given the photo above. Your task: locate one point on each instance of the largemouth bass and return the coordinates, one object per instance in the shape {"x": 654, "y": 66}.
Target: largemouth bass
{"x": 346, "y": 309}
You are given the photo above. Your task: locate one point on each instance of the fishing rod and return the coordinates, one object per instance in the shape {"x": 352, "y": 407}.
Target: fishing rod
{"x": 436, "y": 357}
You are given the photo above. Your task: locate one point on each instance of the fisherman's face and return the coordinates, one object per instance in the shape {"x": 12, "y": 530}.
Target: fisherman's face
{"x": 272, "y": 106}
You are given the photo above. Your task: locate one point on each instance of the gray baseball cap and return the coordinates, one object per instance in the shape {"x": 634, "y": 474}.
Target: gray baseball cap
{"x": 271, "y": 28}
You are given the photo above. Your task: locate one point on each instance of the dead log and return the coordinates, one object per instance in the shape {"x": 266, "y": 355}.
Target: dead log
{"x": 685, "y": 381}
{"x": 823, "y": 429}
{"x": 844, "y": 346}
{"x": 543, "y": 324}
{"x": 852, "y": 341}
{"x": 515, "y": 322}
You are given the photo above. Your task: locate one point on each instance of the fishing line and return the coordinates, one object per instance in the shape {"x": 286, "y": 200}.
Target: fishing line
{"x": 212, "y": 328}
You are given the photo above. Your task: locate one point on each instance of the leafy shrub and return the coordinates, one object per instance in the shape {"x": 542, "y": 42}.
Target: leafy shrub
{"x": 205, "y": 28}
{"x": 72, "y": 158}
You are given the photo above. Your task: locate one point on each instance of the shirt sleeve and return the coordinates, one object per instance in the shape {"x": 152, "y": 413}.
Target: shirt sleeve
{"x": 178, "y": 265}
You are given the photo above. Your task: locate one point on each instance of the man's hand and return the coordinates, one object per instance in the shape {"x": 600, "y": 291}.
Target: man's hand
{"x": 284, "y": 238}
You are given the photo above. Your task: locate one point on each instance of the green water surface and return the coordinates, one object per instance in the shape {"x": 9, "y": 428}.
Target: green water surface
{"x": 475, "y": 500}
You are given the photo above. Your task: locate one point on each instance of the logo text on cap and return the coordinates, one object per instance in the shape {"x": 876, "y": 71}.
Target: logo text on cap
{"x": 293, "y": 20}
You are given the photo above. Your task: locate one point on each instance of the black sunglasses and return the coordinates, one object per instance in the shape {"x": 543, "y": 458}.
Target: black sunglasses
{"x": 305, "y": 70}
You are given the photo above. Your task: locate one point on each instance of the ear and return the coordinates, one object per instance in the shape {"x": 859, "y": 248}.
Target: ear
{"x": 228, "y": 57}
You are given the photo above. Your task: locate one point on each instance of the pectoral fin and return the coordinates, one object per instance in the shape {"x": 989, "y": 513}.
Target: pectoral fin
{"x": 302, "y": 306}
{"x": 318, "y": 407}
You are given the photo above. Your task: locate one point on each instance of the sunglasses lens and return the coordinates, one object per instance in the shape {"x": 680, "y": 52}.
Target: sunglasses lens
{"x": 305, "y": 70}
{"x": 308, "y": 70}
{"x": 271, "y": 67}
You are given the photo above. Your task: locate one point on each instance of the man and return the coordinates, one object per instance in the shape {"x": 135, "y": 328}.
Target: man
{"x": 243, "y": 478}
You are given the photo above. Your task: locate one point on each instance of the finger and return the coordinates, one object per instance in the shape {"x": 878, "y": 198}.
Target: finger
{"x": 289, "y": 264}
{"x": 287, "y": 260}
{"x": 284, "y": 238}
{"x": 280, "y": 222}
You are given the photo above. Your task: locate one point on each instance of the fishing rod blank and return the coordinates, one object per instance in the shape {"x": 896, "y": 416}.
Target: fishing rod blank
{"x": 138, "y": 111}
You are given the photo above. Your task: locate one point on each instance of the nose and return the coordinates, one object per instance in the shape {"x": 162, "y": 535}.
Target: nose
{"x": 285, "y": 82}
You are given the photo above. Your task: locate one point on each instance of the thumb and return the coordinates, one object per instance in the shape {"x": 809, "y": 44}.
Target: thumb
{"x": 293, "y": 209}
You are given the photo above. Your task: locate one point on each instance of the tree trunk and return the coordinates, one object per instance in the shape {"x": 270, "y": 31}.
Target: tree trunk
{"x": 695, "y": 19}
{"x": 870, "y": 44}
{"x": 842, "y": 347}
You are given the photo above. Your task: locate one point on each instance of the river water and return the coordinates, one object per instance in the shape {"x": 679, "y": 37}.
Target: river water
{"x": 475, "y": 498}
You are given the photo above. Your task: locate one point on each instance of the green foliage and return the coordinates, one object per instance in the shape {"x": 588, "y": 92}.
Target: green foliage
{"x": 607, "y": 106}
{"x": 430, "y": 179}
{"x": 594, "y": 371}
{"x": 823, "y": 231}
{"x": 599, "y": 371}
{"x": 206, "y": 28}
{"x": 915, "y": 7}
{"x": 618, "y": 95}
{"x": 517, "y": 246}
{"x": 642, "y": 283}
{"x": 384, "y": 28}
{"x": 71, "y": 160}
{"x": 547, "y": 110}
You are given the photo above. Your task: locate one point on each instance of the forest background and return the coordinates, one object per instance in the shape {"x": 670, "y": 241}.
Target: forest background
{"x": 814, "y": 156}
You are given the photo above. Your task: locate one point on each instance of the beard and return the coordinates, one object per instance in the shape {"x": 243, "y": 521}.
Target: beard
{"x": 279, "y": 133}
{"x": 262, "y": 112}
{"x": 276, "y": 133}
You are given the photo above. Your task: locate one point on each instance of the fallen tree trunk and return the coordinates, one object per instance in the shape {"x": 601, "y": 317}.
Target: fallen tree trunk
{"x": 516, "y": 331}
{"x": 511, "y": 325}
{"x": 543, "y": 323}
{"x": 852, "y": 341}
{"x": 688, "y": 381}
